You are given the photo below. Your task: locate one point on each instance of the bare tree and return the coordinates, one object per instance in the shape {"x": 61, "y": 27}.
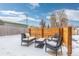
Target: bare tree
{"x": 59, "y": 19}
{"x": 42, "y": 23}
{"x": 48, "y": 26}
{"x": 63, "y": 18}
{"x": 53, "y": 21}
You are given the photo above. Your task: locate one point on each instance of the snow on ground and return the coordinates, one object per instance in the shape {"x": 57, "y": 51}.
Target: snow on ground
{"x": 11, "y": 46}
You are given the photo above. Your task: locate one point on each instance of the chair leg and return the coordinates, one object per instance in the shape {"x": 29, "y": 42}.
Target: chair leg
{"x": 21, "y": 43}
{"x": 35, "y": 44}
{"x": 27, "y": 44}
{"x": 56, "y": 52}
{"x": 45, "y": 49}
{"x": 61, "y": 50}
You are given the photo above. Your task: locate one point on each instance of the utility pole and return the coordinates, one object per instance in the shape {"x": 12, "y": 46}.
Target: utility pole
{"x": 26, "y": 23}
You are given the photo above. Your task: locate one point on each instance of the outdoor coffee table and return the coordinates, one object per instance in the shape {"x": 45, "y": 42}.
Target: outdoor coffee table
{"x": 40, "y": 42}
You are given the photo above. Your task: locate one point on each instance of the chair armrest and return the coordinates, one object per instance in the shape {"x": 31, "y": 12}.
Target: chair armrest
{"x": 53, "y": 39}
{"x": 46, "y": 41}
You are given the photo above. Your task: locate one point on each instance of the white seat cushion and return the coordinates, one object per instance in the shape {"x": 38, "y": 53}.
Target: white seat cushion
{"x": 31, "y": 38}
{"x": 40, "y": 39}
{"x": 27, "y": 34}
{"x": 52, "y": 38}
{"x": 25, "y": 39}
{"x": 52, "y": 43}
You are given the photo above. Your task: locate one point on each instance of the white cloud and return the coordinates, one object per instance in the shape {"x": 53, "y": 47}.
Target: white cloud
{"x": 11, "y": 12}
{"x": 34, "y": 5}
{"x": 30, "y": 18}
{"x": 72, "y": 14}
{"x": 33, "y": 19}
{"x": 14, "y": 16}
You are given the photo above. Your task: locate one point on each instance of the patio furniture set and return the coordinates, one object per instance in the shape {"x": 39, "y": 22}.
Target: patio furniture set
{"x": 54, "y": 43}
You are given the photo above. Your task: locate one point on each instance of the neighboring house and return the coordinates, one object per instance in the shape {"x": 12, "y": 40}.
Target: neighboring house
{"x": 75, "y": 31}
{"x": 9, "y": 28}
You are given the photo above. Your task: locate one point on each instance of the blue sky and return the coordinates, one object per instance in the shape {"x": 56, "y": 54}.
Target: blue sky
{"x": 19, "y": 12}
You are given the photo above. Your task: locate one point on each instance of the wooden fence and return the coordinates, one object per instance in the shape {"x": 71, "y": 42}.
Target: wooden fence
{"x": 43, "y": 32}
{"x": 65, "y": 32}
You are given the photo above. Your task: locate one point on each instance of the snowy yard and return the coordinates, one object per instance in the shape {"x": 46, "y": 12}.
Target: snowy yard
{"x": 10, "y": 46}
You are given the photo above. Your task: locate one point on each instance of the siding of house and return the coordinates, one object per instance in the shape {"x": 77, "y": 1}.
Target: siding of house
{"x": 10, "y": 29}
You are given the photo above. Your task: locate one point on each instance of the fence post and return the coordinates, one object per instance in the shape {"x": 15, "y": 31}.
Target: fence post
{"x": 69, "y": 41}
{"x": 67, "y": 37}
{"x": 42, "y": 32}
